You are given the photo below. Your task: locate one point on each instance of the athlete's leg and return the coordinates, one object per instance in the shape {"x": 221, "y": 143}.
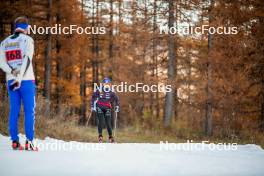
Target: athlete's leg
{"x": 108, "y": 119}
{"x": 15, "y": 103}
{"x": 100, "y": 120}
{"x": 27, "y": 91}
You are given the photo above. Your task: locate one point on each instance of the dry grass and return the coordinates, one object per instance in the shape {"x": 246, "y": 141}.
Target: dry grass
{"x": 66, "y": 128}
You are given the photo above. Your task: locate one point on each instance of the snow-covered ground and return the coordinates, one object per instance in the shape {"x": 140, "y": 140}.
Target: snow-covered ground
{"x": 73, "y": 158}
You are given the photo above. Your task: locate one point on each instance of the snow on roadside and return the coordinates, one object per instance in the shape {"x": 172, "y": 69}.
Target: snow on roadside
{"x": 58, "y": 157}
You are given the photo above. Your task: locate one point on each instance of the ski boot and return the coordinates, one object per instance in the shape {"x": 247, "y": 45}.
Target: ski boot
{"x": 111, "y": 139}
{"x": 30, "y": 146}
{"x": 100, "y": 139}
{"x": 16, "y": 146}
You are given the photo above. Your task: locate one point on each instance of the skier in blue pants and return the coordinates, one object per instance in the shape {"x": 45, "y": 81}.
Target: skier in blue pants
{"x": 26, "y": 93}
{"x": 16, "y": 53}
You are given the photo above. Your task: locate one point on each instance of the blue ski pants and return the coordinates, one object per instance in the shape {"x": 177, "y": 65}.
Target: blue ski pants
{"x": 26, "y": 95}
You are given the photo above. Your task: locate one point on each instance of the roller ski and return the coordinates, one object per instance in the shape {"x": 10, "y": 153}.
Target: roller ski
{"x": 111, "y": 139}
{"x": 17, "y": 146}
{"x": 29, "y": 146}
{"x": 100, "y": 139}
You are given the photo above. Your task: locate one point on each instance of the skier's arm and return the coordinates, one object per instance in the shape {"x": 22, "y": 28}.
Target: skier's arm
{"x": 3, "y": 64}
{"x": 27, "y": 58}
{"x": 116, "y": 101}
{"x": 116, "y": 98}
{"x": 93, "y": 100}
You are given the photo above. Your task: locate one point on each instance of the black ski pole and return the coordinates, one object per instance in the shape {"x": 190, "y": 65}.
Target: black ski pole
{"x": 115, "y": 124}
{"x": 89, "y": 118}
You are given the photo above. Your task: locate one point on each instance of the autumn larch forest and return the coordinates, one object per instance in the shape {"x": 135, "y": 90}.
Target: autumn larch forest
{"x": 217, "y": 80}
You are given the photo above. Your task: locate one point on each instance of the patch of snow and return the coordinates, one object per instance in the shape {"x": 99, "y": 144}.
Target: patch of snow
{"x": 127, "y": 159}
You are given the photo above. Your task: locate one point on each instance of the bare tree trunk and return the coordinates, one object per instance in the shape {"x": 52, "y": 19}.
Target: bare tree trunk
{"x": 97, "y": 44}
{"x": 95, "y": 48}
{"x": 155, "y": 58}
{"x": 208, "y": 110}
{"x": 261, "y": 64}
{"x": 47, "y": 76}
{"x": 58, "y": 65}
{"x": 83, "y": 70}
{"x": 189, "y": 78}
{"x": 119, "y": 34}
{"x": 261, "y": 44}
{"x": 262, "y": 106}
{"x": 2, "y": 74}
{"x": 111, "y": 42}
{"x": 59, "y": 78}
{"x": 83, "y": 94}
{"x": 169, "y": 99}
{"x": 152, "y": 64}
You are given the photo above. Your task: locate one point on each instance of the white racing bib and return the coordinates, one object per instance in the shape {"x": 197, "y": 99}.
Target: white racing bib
{"x": 13, "y": 54}
{"x": 16, "y": 52}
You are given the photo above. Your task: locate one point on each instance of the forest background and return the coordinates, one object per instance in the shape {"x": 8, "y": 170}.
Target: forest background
{"x": 217, "y": 80}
